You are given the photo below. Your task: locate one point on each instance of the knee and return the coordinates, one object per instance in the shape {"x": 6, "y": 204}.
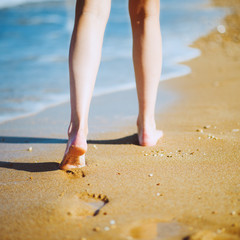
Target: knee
{"x": 99, "y": 10}
{"x": 143, "y": 9}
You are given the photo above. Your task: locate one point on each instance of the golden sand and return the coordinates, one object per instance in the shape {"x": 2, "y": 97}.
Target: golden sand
{"x": 186, "y": 187}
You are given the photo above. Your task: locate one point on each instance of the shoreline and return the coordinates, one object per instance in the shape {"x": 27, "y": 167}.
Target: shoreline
{"x": 19, "y": 107}
{"x": 186, "y": 187}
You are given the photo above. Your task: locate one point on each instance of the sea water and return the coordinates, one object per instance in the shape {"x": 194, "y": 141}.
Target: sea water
{"x": 34, "y": 43}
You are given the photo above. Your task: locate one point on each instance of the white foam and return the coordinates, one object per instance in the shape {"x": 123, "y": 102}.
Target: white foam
{"x": 13, "y": 3}
{"x": 33, "y": 108}
{"x": 118, "y": 88}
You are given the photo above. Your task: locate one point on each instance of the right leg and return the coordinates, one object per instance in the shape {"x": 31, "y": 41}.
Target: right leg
{"x": 147, "y": 59}
{"x": 84, "y": 58}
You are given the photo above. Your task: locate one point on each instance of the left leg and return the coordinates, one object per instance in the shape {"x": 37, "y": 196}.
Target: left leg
{"x": 84, "y": 58}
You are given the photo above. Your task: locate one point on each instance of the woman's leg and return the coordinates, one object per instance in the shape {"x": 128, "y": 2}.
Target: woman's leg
{"x": 84, "y": 58}
{"x": 147, "y": 59}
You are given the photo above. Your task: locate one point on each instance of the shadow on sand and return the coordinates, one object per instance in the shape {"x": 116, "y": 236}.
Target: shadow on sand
{"x": 131, "y": 139}
{"x": 52, "y": 166}
{"x": 31, "y": 167}
{"x": 24, "y": 140}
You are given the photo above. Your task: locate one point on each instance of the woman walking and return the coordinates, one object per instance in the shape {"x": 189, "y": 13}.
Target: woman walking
{"x": 91, "y": 17}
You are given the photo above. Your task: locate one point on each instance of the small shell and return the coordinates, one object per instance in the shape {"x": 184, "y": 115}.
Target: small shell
{"x": 235, "y": 130}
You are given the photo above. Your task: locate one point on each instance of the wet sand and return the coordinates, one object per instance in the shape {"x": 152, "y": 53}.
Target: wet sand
{"x": 186, "y": 187}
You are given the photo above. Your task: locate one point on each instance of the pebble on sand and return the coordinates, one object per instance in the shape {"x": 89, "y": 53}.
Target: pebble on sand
{"x": 221, "y": 230}
{"x": 96, "y": 229}
{"x": 199, "y": 130}
{"x": 207, "y": 126}
{"x": 106, "y": 228}
{"x": 112, "y": 222}
{"x": 95, "y": 146}
{"x": 61, "y": 194}
{"x": 30, "y": 149}
{"x": 150, "y": 175}
{"x": 233, "y": 213}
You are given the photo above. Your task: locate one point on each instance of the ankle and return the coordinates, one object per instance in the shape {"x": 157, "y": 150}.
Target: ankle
{"x": 79, "y": 132}
{"x": 75, "y": 129}
{"x": 146, "y": 124}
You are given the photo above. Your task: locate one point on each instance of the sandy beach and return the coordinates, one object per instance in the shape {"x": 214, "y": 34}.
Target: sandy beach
{"x": 186, "y": 187}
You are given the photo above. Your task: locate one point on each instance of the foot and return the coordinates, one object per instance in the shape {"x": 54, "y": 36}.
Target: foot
{"x": 148, "y": 136}
{"x": 74, "y": 156}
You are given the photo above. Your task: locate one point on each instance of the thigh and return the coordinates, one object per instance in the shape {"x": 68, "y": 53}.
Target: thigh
{"x": 98, "y": 8}
{"x": 144, "y": 8}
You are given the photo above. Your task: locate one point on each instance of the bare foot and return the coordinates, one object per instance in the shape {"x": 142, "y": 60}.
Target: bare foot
{"x": 74, "y": 156}
{"x": 148, "y": 136}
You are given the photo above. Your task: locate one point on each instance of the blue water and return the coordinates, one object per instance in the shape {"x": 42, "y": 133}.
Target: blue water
{"x": 34, "y": 41}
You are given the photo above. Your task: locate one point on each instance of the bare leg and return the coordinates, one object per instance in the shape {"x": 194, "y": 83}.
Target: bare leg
{"x": 147, "y": 59}
{"x": 84, "y": 58}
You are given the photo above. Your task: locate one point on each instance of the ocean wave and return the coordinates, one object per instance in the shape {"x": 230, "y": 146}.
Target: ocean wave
{"x": 14, "y": 3}
{"x": 53, "y": 19}
{"x": 31, "y": 107}
{"x": 40, "y": 63}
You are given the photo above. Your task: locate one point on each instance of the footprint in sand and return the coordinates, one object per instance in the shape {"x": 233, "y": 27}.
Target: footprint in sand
{"x": 151, "y": 229}
{"x": 76, "y": 173}
{"x": 83, "y": 205}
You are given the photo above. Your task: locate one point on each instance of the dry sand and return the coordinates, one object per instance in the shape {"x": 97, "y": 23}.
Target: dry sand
{"x": 186, "y": 187}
